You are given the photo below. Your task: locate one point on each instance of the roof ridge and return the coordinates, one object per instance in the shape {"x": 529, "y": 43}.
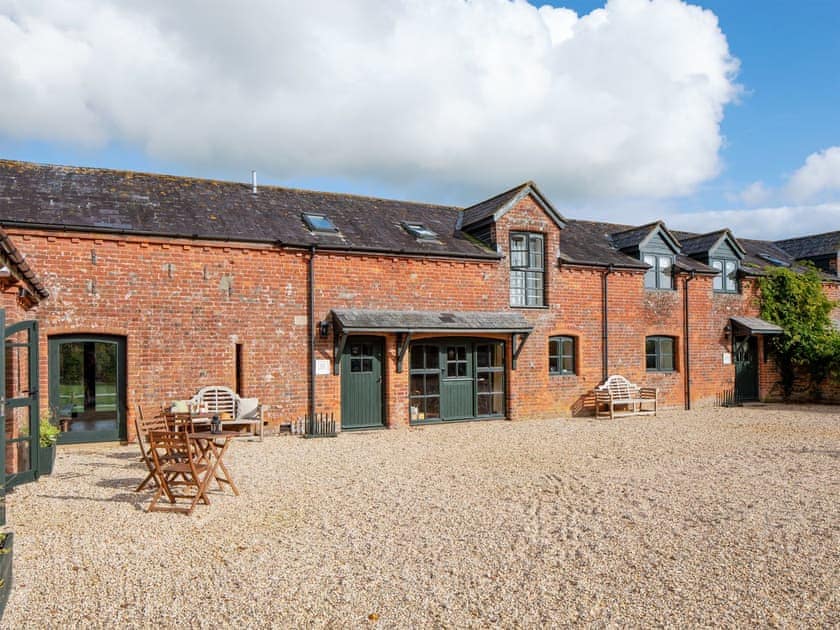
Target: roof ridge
{"x": 807, "y": 236}
{"x": 501, "y": 194}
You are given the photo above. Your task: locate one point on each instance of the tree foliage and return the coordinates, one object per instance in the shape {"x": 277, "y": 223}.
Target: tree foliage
{"x": 795, "y": 301}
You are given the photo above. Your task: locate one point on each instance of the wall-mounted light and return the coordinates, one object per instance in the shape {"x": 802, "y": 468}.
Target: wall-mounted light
{"x": 727, "y": 330}
{"x": 324, "y": 329}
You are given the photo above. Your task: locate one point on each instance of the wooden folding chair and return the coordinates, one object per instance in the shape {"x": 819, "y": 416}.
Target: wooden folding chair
{"x": 142, "y": 427}
{"x": 185, "y": 466}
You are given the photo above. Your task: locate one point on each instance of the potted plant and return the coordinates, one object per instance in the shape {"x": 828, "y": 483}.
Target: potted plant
{"x": 47, "y": 437}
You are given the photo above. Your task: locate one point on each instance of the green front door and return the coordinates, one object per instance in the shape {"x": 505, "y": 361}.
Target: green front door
{"x": 87, "y": 388}
{"x": 20, "y": 369}
{"x": 457, "y": 388}
{"x": 361, "y": 383}
{"x": 746, "y": 368}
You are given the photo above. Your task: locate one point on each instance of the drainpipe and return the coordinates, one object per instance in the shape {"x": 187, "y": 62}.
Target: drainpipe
{"x": 605, "y": 337}
{"x": 311, "y": 331}
{"x": 687, "y": 370}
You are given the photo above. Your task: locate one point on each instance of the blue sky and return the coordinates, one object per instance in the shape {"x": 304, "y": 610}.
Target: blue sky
{"x": 450, "y": 117}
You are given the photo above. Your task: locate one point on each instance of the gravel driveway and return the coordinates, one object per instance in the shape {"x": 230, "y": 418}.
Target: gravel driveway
{"x": 704, "y": 518}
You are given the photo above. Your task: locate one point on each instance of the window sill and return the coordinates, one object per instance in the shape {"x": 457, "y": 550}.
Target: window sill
{"x": 661, "y": 371}
{"x": 544, "y": 306}
{"x": 566, "y": 374}
{"x": 657, "y": 290}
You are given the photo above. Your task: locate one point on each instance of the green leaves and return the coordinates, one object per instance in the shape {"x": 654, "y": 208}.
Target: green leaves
{"x": 795, "y": 301}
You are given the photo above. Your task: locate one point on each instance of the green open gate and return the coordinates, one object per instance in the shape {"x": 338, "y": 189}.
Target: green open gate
{"x": 18, "y": 406}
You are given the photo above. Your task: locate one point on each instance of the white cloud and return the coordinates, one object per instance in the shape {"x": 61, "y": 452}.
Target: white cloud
{"x": 755, "y": 194}
{"x": 435, "y": 94}
{"x": 763, "y": 223}
{"x": 818, "y": 177}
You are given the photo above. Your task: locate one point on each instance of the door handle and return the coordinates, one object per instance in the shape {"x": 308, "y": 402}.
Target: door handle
{"x": 379, "y": 380}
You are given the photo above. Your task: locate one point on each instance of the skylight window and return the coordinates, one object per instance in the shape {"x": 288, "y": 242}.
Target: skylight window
{"x": 418, "y": 230}
{"x": 319, "y": 223}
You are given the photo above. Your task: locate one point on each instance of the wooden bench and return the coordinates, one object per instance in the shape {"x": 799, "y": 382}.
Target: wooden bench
{"x": 236, "y": 413}
{"x": 619, "y": 397}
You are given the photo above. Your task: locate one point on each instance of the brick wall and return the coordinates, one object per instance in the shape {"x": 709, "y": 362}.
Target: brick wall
{"x": 183, "y": 306}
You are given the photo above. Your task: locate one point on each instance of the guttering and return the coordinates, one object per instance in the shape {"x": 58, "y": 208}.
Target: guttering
{"x": 311, "y": 331}
{"x": 605, "y": 335}
{"x": 689, "y": 278}
{"x": 94, "y": 229}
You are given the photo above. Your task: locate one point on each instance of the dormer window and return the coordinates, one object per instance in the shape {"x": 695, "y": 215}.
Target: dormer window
{"x": 420, "y": 231}
{"x": 660, "y": 274}
{"x": 727, "y": 280}
{"x": 319, "y": 223}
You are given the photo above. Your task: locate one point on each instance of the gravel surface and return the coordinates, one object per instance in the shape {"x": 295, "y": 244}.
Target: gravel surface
{"x": 704, "y": 518}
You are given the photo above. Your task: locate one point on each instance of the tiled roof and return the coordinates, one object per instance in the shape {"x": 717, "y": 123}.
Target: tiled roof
{"x": 373, "y": 320}
{"x": 588, "y": 243}
{"x": 633, "y": 236}
{"x": 758, "y": 326}
{"x": 144, "y": 204}
{"x": 13, "y": 260}
{"x": 487, "y": 208}
{"x": 814, "y": 245}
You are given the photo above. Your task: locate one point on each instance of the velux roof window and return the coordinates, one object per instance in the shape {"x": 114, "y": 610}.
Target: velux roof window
{"x": 319, "y": 223}
{"x": 418, "y": 230}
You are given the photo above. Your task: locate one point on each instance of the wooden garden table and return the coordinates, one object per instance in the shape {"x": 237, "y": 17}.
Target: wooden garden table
{"x": 213, "y": 451}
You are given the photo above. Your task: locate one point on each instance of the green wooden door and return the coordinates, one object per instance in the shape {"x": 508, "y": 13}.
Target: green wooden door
{"x": 87, "y": 388}
{"x": 20, "y": 368}
{"x": 361, "y": 383}
{"x": 746, "y": 368}
{"x": 457, "y": 387}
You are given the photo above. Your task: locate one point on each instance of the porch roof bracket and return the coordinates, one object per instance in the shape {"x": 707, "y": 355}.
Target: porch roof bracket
{"x": 340, "y": 342}
{"x": 517, "y": 347}
{"x": 405, "y": 339}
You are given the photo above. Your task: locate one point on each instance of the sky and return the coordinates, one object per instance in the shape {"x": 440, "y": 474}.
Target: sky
{"x": 716, "y": 113}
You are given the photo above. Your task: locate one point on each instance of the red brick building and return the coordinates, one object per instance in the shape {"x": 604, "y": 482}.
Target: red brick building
{"x": 383, "y": 312}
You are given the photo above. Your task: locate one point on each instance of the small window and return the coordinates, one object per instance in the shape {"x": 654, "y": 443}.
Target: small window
{"x": 727, "y": 280}
{"x": 319, "y": 223}
{"x": 659, "y": 354}
{"x": 527, "y": 269}
{"x": 420, "y": 231}
{"x": 660, "y": 274}
{"x": 561, "y": 355}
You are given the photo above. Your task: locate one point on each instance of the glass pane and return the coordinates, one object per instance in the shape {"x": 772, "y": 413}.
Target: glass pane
{"x": 517, "y": 288}
{"x": 417, "y": 385}
{"x": 367, "y": 365}
{"x": 105, "y": 369}
{"x": 462, "y": 353}
{"x": 433, "y": 407}
{"x": 17, "y": 457}
{"x": 536, "y": 258}
{"x": 718, "y": 281}
{"x": 355, "y": 349}
{"x": 666, "y": 354}
{"x": 482, "y": 356}
{"x": 498, "y": 407}
{"x": 484, "y": 405}
{"x": 432, "y": 358}
{"x": 518, "y": 251}
{"x": 452, "y": 369}
{"x": 17, "y": 365}
{"x": 432, "y": 384}
{"x": 355, "y": 365}
{"x": 650, "y": 346}
{"x": 462, "y": 369}
{"x": 416, "y": 357}
{"x": 451, "y": 353}
{"x": 367, "y": 350}
{"x": 497, "y": 382}
{"x": 731, "y": 275}
{"x": 483, "y": 383}
{"x": 650, "y": 362}
{"x": 568, "y": 365}
{"x": 553, "y": 364}
{"x": 664, "y": 272}
{"x": 497, "y": 357}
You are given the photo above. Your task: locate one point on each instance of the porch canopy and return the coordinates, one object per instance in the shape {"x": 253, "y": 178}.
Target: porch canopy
{"x": 406, "y": 323}
{"x": 755, "y": 326}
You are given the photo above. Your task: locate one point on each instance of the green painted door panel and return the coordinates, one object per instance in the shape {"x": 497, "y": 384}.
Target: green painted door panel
{"x": 457, "y": 388}
{"x": 746, "y": 368}
{"x": 361, "y": 383}
{"x": 21, "y": 405}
